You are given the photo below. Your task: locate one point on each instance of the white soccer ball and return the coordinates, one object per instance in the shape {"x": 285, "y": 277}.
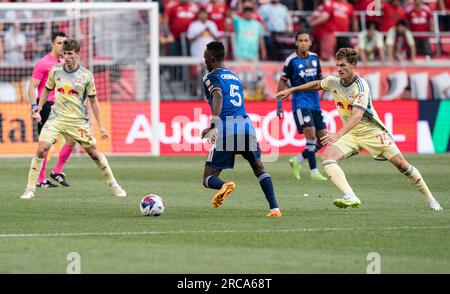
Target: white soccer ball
{"x": 152, "y": 205}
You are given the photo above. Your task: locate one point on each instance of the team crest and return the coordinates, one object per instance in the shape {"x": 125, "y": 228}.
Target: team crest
{"x": 314, "y": 63}
{"x": 307, "y": 119}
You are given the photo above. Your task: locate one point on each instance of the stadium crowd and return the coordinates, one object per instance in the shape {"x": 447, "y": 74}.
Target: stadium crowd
{"x": 265, "y": 29}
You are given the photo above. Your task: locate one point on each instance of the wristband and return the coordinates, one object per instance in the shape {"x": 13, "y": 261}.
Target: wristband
{"x": 34, "y": 106}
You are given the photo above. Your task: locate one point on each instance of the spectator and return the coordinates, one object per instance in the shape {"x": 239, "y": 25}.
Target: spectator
{"x": 178, "y": 16}
{"x": 15, "y": 42}
{"x": 277, "y": 20}
{"x": 344, "y": 17}
{"x": 420, "y": 20}
{"x": 392, "y": 12}
{"x": 400, "y": 43}
{"x": 201, "y": 32}
{"x": 249, "y": 39}
{"x": 323, "y": 30}
{"x": 444, "y": 20}
{"x": 217, "y": 11}
{"x": 165, "y": 37}
{"x": 294, "y": 5}
{"x": 370, "y": 44}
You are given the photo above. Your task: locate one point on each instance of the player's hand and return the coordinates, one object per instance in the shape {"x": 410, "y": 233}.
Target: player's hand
{"x": 104, "y": 133}
{"x": 280, "y": 112}
{"x": 35, "y": 114}
{"x": 282, "y": 95}
{"x": 210, "y": 134}
{"x": 329, "y": 138}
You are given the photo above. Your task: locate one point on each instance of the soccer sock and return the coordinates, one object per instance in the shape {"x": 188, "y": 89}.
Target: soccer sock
{"x": 103, "y": 165}
{"x": 337, "y": 176}
{"x": 64, "y": 155}
{"x": 42, "y": 176}
{"x": 35, "y": 167}
{"x": 214, "y": 182}
{"x": 416, "y": 179}
{"x": 300, "y": 158}
{"x": 318, "y": 145}
{"x": 266, "y": 184}
{"x": 310, "y": 153}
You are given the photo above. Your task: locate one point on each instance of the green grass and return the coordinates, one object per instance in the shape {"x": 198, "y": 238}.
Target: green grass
{"x": 235, "y": 238}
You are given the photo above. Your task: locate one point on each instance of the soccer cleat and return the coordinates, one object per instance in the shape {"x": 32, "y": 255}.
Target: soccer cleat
{"x": 344, "y": 203}
{"x": 28, "y": 194}
{"x": 318, "y": 177}
{"x": 222, "y": 194}
{"x": 296, "y": 167}
{"x": 46, "y": 184}
{"x": 274, "y": 213}
{"x": 60, "y": 178}
{"x": 118, "y": 191}
{"x": 435, "y": 205}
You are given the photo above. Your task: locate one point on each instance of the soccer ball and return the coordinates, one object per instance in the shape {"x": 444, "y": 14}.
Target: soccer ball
{"x": 152, "y": 205}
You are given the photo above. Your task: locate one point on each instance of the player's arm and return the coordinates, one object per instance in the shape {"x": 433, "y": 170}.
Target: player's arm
{"x": 35, "y": 112}
{"x": 96, "y": 111}
{"x": 282, "y": 85}
{"x": 216, "y": 106}
{"x": 34, "y": 83}
{"x": 330, "y": 138}
{"x": 311, "y": 86}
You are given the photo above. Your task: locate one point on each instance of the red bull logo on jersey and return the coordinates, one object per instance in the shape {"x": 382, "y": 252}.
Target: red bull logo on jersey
{"x": 67, "y": 90}
{"x": 73, "y": 92}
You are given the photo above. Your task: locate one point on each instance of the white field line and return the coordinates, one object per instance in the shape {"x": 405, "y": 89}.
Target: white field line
{"x": 183, "y": 232}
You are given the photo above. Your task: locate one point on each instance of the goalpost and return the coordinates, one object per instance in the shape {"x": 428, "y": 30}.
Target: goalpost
{"x": 120, "y": 46}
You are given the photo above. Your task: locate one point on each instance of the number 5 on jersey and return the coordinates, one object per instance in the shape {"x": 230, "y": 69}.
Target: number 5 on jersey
{"x": 234, "y": 92}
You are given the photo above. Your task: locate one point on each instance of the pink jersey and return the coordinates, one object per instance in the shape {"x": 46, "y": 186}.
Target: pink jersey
{"x": 41, "y": 71}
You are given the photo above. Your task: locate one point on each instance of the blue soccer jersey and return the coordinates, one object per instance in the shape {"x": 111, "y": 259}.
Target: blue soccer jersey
{"x": 300, "y": 71}
{"x": 233, "y": 114}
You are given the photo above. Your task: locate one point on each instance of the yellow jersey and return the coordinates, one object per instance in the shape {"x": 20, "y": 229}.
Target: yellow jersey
{"x": 71, "y": 90}
{"x": 354, "y": 95}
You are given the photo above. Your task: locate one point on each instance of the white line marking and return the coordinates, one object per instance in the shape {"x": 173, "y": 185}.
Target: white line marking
{"x": 300, "y": 230}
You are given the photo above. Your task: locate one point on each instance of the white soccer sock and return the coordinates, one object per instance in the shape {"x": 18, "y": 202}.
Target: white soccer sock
{"x": 300, "y": 158}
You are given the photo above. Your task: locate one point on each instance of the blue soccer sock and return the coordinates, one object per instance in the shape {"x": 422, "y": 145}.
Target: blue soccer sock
{"x": 310, "y": 153}
{"x": 266, "y": 184}
{"x": 214, "y": 182}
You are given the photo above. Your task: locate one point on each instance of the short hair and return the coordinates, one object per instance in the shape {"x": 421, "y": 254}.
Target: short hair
{"x": 58, "y": 34}
{"x": 401, "y": 22}
{"x": 372, "y": 24}
{"x": 349, "y": 54}
{"x": 217, "y": 50}
{"x": 248, "y": 9}
{"x": 71, "y": 45}
{"x": 303, "y": 33}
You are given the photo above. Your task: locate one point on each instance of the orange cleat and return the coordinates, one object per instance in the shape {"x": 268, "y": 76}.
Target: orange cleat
{"x": 222, "y": 194}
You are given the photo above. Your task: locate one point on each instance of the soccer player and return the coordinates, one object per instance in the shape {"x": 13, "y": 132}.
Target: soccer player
{"x": 72, "y": 84}
{"x": 362, "y": 129}
{"x": 231, "y": 130}
{"x": 301, "y": 67}
{"x": 38, "y": 80}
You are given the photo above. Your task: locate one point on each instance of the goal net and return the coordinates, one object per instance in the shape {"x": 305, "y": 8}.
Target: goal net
{"x": 119, "y": 45}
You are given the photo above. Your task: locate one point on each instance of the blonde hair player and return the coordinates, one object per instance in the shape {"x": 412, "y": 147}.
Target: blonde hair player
{"x": 362, "y": 129}
{"x": 72, "y": 84}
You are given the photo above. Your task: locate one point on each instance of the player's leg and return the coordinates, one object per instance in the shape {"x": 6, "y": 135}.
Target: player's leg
{"x": 296, "y": 161}
{"x": 265, "y": 181}
{"x": 35, "y": 167}
{"x": 215, "y": 163}
{"x": 64, "y": 155}
{"x": 42, "y": 181}
{"x": 341, "y": 149}
{"x": 103, "y": 165}
{"x": 415, "y": 178}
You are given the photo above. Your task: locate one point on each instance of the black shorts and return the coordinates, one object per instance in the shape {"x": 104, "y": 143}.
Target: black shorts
{"x": 309, "y": 118}
{"x": 219, "y": 158}
{"x": 45, "y": 112}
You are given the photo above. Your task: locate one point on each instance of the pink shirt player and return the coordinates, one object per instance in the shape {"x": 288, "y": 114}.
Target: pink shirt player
{"x": 41, "y": 71}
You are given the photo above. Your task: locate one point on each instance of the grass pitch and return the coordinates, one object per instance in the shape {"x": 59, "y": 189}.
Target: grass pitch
{"x": 313, "y": 236}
